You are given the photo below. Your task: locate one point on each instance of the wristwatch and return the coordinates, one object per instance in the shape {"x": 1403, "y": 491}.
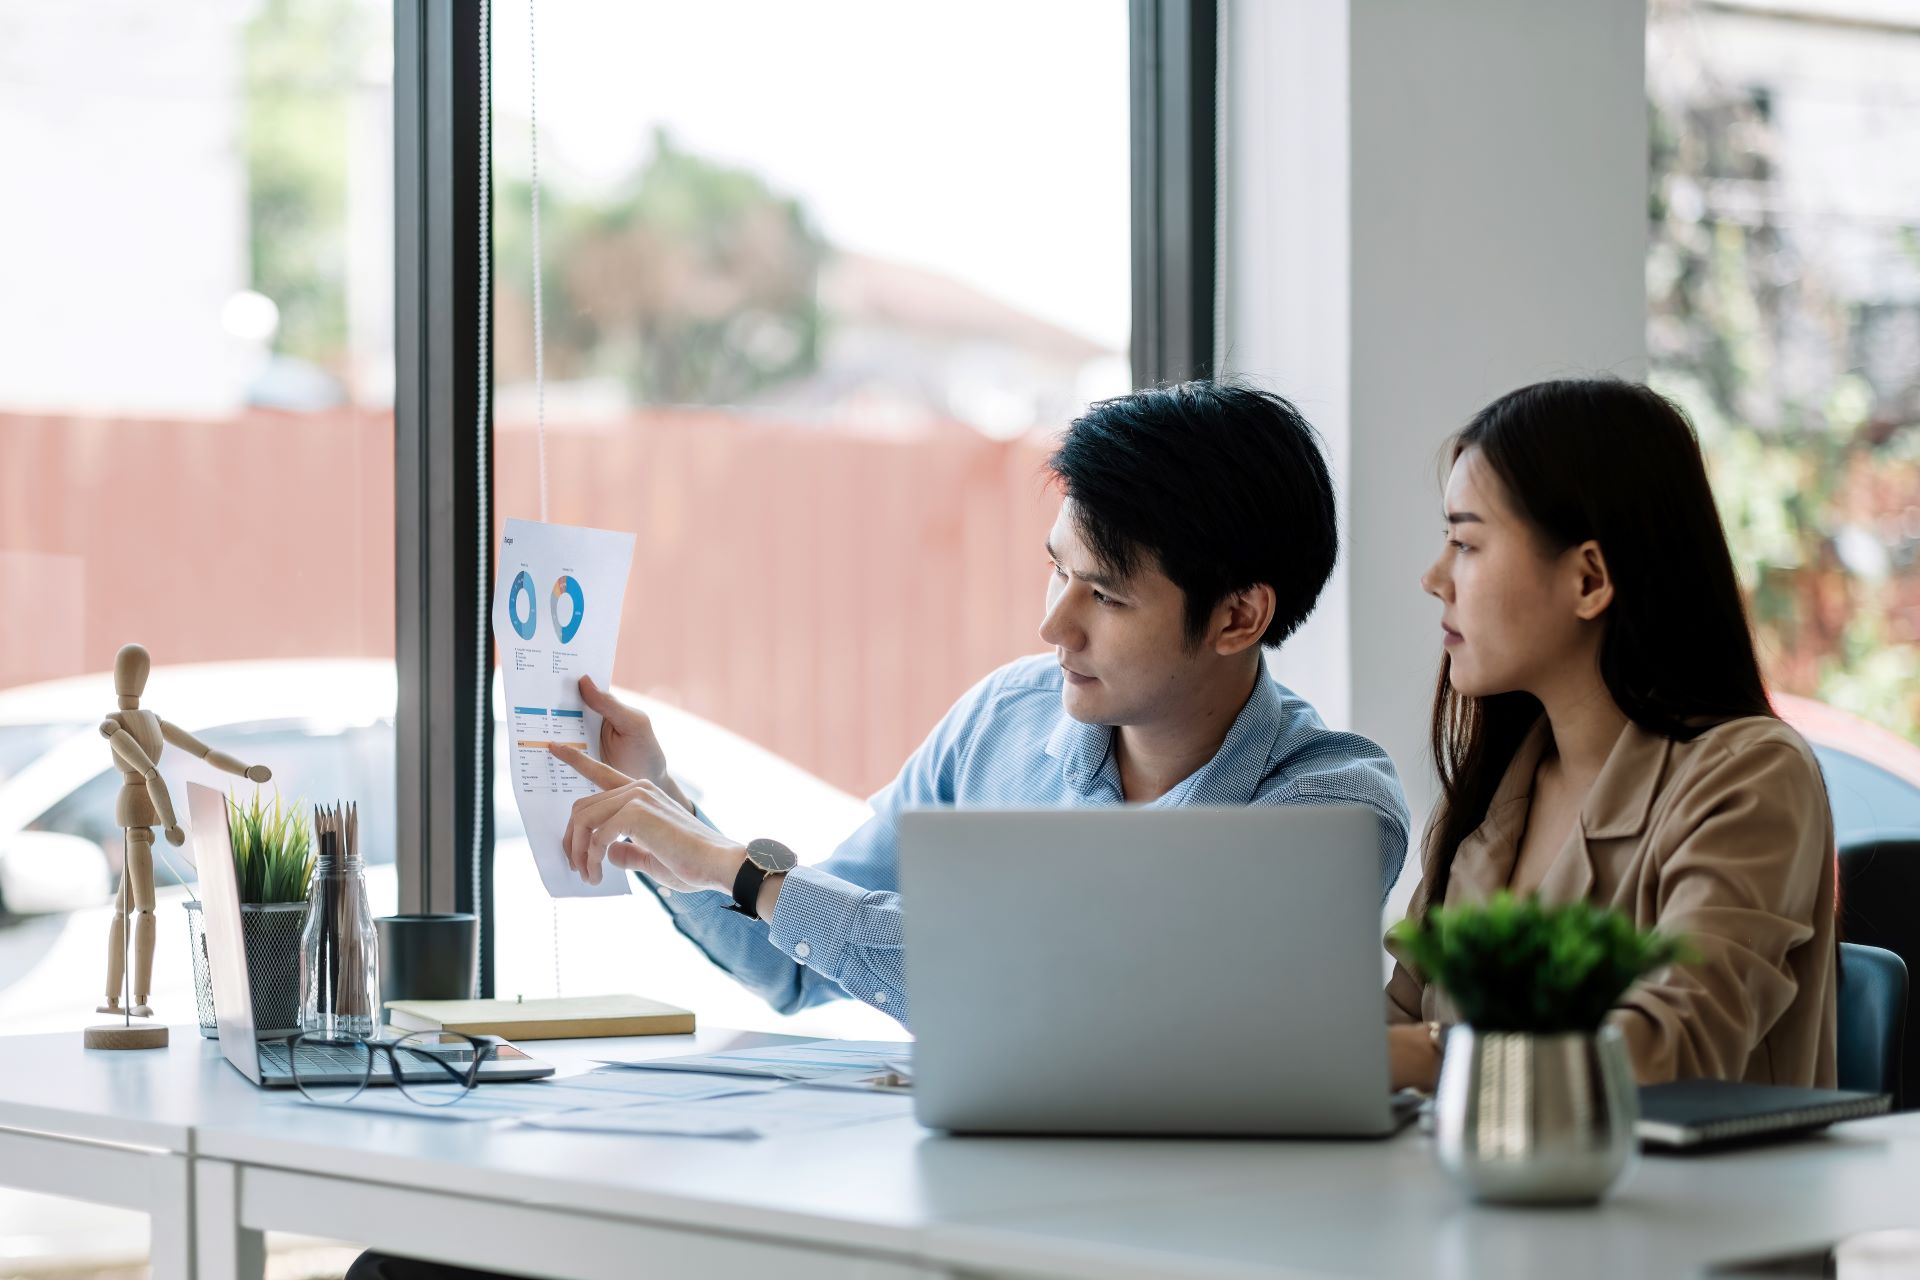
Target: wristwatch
{"x": 764, "y": 858}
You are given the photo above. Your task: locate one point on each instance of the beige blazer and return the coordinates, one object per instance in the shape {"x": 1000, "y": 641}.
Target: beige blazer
{"x": 1726, "y": 839}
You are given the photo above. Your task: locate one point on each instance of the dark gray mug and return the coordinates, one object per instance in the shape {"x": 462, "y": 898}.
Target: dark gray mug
{"x": 427, "y": 957}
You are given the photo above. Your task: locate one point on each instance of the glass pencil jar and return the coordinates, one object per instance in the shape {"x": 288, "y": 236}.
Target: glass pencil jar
{"x": 339, "y": 952}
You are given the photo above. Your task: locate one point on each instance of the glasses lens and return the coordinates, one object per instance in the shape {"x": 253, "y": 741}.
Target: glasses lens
{"x": 436, "y": 1067}
{"x": 329, "y": 1070}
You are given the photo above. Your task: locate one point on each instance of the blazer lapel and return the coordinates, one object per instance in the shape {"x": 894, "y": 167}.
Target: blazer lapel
{"x": 1616, "y": 809}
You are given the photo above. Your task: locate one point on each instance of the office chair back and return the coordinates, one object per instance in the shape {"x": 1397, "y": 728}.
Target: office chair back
{"x": 1871, "y": 1022}
{"x": 1880, "y": 907}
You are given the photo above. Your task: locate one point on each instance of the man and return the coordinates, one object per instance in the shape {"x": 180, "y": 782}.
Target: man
{"x": 1197, "y": 530}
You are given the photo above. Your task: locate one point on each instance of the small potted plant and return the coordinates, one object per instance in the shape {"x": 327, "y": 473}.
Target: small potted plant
{"x": 273, "y": 866}
{"x": 1536, "y": 1102}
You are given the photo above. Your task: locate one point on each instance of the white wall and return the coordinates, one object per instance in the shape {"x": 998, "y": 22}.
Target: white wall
{"x": 123, "y": 208}
{"x": 1426, "y": 205}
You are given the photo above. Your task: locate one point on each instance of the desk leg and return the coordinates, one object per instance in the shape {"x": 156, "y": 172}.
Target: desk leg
{"x": 224, "y": 1249}
{"x": 170, "y": 1217}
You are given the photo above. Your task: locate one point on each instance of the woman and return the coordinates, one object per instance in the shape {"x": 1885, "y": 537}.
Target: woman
{"x": 1602, "y": 732}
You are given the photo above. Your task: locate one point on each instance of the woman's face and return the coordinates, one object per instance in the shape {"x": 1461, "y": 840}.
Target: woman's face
{"x": 1513, "y": 615}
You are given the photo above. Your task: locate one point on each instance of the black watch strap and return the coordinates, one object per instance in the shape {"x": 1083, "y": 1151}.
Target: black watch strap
{"x": 746, "y": 890}
{"x": 764, "y": 858}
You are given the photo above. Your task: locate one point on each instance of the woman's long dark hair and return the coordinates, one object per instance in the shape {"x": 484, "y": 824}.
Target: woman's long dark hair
{"x": 1617, "y": 463}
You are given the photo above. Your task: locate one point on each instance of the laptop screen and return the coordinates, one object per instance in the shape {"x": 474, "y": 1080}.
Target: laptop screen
{"x": 220, "y": 916}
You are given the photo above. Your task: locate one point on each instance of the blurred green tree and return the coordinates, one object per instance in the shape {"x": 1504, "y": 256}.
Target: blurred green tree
{"x": 301, "y": 61}
{"x": 695, "y": 283}
{"x": 1815, "y": 466}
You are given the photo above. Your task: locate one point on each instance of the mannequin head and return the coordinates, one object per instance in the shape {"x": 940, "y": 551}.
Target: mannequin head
{"x": 130, "y": 668}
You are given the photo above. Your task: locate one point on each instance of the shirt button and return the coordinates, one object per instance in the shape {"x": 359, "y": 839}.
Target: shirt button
{"x": 802, "y": 950}
{"x": 879, "y": 997}
{"x": 664, "y": 891}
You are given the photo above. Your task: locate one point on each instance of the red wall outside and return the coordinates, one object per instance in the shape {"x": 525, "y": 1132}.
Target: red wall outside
{"x": 824, "y": 593}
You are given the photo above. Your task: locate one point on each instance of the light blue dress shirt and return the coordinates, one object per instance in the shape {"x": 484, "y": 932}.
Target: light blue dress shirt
{"x": 1009, "y": 744}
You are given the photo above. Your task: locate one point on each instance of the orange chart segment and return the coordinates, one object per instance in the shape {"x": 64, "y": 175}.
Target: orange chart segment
{"x": 535, "y": 768}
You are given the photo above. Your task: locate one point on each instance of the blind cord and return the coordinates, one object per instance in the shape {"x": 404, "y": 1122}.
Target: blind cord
{"x": 539, "y": 322}
{"x": 483, "y": 671}
{"x": 539, "y": 347}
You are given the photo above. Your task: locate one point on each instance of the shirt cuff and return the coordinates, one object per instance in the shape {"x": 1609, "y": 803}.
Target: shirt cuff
{"x": 813, "y": 919}
{"x": 700, "y": 903}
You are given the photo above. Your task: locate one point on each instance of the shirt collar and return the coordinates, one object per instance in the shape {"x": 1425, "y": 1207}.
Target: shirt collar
{"x": 1232, "y": 776}
{"x": 1082, "y": 750}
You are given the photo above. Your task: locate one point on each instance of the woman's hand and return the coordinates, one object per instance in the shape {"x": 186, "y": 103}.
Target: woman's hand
{"x": 634, "y": 823}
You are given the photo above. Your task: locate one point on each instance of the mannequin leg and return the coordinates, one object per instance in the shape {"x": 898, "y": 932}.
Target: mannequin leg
{"x": 140, "y": 876}
{"x": 117, "y": 939}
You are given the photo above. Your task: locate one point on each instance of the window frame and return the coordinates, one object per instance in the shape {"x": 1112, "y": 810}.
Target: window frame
{"x": 443, "y": 425}
{"x": 1174, "y": 52}
{"x": 443, "y": 444}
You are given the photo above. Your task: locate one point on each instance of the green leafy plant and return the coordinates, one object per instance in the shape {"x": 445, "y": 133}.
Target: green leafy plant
{"x": 272, "y": 849}
{"x": 1515, "y": 965}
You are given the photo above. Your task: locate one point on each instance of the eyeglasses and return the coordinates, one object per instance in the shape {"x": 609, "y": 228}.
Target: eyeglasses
{"x": 432, "y": 1068}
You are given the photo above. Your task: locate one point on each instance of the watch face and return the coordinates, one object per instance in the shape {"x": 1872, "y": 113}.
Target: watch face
{"x": 771, "y": 856}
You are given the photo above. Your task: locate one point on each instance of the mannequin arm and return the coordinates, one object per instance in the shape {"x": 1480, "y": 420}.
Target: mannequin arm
{"x": 218, "y": 759}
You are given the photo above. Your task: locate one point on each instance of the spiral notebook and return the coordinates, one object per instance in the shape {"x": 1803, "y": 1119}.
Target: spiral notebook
{"x": 1694, "y": 1115}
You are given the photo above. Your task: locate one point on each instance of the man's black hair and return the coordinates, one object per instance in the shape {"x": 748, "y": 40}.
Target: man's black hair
{"x": 1219, "y": 484}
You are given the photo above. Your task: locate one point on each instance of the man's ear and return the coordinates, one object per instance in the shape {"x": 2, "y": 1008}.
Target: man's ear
{"x": 1595, "y": 590}
{"x": 1242, "y": 618}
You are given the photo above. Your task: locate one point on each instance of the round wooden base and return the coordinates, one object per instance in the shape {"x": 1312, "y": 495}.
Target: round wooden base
{"x": 118, "y": 1035}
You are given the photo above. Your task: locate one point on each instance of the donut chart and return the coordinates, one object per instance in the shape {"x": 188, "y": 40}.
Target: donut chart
{"x": 522, "y": 585}
{"x": 566, "y": 588}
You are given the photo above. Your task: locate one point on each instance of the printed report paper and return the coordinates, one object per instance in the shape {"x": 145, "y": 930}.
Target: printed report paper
{"x": 568, "y": 1094}
{"x": 815, "y": 1060}
{"x": 557, "y": 596}
{"x": 777, "y": 1113}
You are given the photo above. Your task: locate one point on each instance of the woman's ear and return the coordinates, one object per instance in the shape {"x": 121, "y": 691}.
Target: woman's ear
{"x": 1596, "y": 584}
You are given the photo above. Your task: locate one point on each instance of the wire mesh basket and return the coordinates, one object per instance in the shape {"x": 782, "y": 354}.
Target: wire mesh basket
{"x": 271, "y": 931}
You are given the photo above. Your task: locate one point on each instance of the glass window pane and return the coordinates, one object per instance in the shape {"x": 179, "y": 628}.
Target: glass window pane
{"x": 196, "y": 442}
{"x": 1783, "y": 277}
{"x": 812, "y": 304}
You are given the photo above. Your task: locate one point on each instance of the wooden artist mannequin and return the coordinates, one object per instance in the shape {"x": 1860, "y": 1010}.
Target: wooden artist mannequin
{"x": 137, "y": 738}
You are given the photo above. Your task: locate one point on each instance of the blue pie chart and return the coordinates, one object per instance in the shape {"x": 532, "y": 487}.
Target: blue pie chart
{"x": 567, "y": 589}
{"x": 522, "y": 586}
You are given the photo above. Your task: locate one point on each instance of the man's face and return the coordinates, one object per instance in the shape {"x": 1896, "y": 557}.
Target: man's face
{"x": 1121, "y": 644}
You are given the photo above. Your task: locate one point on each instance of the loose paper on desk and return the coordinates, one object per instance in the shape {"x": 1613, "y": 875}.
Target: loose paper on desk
{"x": 557, "y": 597}
{"x": 597, "y": 1091}
{"x": 813, "y": 1060}
{"x": 777, "y": 1113}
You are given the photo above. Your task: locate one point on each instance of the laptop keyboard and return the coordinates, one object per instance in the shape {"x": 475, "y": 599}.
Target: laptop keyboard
{"x": 317, "y": 1060}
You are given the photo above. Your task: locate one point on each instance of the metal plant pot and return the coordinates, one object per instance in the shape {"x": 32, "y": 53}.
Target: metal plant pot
{"x": 1526, "y": 1119}
{"x": 271, "y": 932}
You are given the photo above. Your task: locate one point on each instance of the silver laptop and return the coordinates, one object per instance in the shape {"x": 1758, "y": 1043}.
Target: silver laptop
{"x": 1134, "y": 971}
{"x": 267, "y": 1062}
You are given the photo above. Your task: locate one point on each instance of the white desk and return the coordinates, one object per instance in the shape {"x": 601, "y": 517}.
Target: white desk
{"x": 849, "y": 1202}
{"x": 1385, "y": 1210}
{"x": 108, "y": 1127}
{"x": 180, "y": 1134}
